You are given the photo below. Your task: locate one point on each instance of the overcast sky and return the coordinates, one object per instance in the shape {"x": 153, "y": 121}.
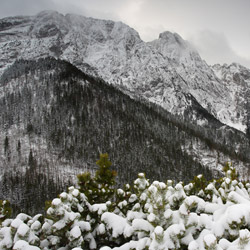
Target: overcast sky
{"x": 219, "y": 29}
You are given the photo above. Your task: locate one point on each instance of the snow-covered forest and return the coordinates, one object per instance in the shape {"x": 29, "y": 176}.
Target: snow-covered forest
{"x": 211, "y": 215}
{"x": 55, "y": 120}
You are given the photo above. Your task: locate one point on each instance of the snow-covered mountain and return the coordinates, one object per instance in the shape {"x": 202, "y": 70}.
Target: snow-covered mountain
{"x": 167, "y": 71}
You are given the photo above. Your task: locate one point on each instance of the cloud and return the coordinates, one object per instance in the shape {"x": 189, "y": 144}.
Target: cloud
{"x": 149, "y": 33}
{"x": 214, "y": 47}
{"x": 129, "y": 10}
{"x": 24, "y": 7}
{"x": 95, "y": 8}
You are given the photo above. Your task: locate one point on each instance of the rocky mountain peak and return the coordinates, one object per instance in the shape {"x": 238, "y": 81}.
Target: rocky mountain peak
{"x": 48, "y": 14}
{"x": 48, "y": 24}
{"x": 174, "y": 47}
{"x": 172, "y": 38}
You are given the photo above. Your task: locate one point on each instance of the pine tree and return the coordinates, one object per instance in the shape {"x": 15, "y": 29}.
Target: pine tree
{"x": 99, "y": 188}
{"x": 31, "y": 160}
{"x": 18, "y": 148}
{"x": 6, "y": 144}
{"x": 7, "y": 148}
{"x": 105, "y": 179}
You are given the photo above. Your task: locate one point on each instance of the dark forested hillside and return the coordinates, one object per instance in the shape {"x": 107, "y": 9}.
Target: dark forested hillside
{"x": 55, "y": 121}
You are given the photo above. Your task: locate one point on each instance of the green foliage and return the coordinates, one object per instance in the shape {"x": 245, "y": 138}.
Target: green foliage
{"x": 99, "y": 188}
{"x": 47, "y": 204}
{"x": 5, "y": 210}
{"x": 226, "y": 167}
{"x": 230, "y": 171}
{"x": 199, "y": 184}
{"x": 104, "y": 176}
{"x": 87, "y": 185}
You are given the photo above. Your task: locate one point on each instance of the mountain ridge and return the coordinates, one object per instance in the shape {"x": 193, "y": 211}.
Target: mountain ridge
{"x": 163, "y": 71}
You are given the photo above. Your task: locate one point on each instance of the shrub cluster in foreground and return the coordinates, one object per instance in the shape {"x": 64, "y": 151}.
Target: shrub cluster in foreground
{"x": 201, "y": 215}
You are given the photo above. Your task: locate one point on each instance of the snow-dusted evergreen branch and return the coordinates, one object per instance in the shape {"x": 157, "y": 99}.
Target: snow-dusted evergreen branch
{"x": 157, "y": 215}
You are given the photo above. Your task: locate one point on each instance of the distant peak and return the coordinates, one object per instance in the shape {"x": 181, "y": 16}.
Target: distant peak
{"x": 169, "y": 35}
{"x": 172, "y": 38}
{"x": 227, "y": 65}
{"x": 237, "y": 65}
{"x": 166, "y": 35}
{"x": 48, "y": 13}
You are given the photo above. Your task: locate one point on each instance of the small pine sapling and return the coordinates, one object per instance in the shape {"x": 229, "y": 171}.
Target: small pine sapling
{"x": 99, "y": 188}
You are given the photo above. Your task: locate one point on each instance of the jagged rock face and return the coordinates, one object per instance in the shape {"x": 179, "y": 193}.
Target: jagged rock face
{"x": 237, "y": 79}
{"x": 233, "y": 73}
{"x": 166, "y": 71}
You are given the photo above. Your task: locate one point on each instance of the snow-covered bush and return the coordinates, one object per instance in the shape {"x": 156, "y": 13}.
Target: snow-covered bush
{"x": 66, "y": 225}
{"x": 199, "y": 215}
{"x": 21, "y": 229}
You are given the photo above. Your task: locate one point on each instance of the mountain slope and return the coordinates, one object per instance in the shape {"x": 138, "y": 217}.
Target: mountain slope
{"x": 164, "y": 71}
{"x": 55, "y": 120}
